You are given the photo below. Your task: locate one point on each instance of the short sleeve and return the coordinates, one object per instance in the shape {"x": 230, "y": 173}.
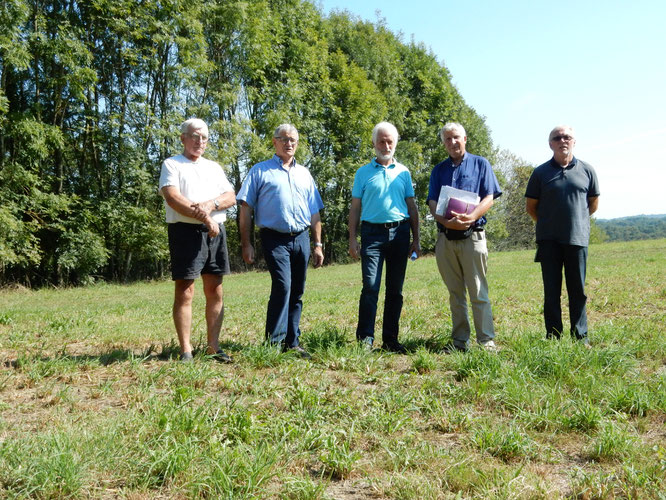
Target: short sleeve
{"x": 409, "y": 187}
{"x": 315, "y": 203}
{"x": 168, "y": 175}
{"x": 248, "y": 190}
{"x": 224, "y": 184}
{"x": 533, "y": 189}
{"x": 489, "y": 184}
{"x": 357, "y": 187}
{"x": 593, "y": 190}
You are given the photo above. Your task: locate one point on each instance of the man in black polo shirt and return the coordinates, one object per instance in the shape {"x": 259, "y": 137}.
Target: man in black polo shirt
{"x": 561, "y": 196}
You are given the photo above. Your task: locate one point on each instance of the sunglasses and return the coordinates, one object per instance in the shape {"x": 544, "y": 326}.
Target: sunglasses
{"x": 558, "y": 138}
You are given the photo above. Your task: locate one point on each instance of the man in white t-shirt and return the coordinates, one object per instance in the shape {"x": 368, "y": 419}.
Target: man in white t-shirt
{"x": 196, "y": 195}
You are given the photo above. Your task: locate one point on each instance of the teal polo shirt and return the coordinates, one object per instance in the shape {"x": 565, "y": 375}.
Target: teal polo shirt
{"x": 382, "y": 191}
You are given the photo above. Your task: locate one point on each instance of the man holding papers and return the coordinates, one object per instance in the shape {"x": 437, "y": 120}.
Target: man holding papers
{"x": 470, "y": 186}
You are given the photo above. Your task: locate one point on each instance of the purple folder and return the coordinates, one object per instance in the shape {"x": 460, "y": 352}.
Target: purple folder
{"x": 458, "y": 206}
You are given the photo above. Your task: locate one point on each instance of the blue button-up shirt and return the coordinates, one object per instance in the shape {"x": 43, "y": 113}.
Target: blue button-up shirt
{"x": 283, "y": 199}
{"x": 473, "y": 174}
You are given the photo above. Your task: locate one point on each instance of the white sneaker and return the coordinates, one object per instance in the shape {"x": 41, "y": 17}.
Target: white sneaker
{"x": 490, "y": 346}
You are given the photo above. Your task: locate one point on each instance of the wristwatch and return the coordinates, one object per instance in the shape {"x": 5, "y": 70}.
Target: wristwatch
{"x": 318, "y": 244}
{"x": 216, "y": 203}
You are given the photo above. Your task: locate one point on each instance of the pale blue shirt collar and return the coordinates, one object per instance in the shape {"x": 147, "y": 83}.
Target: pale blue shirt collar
{"x": 390, "y": 165}
{"x": 281, "y": 163}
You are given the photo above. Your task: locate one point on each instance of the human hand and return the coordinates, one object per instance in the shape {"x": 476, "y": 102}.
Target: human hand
{"x": 202, "y": 210}
{"x": 463, "y": 217}
{"x": 354, "y": 249}
{"x": 415, "y": 248}
{"x": 456, "y": 223}
{"x": 248, "y": 254}
{"x": 213, "y": 227}
{"x": 318, "y": 257}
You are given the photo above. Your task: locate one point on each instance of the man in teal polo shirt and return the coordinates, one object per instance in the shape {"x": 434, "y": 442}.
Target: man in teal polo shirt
{"x": 383, "y": 200}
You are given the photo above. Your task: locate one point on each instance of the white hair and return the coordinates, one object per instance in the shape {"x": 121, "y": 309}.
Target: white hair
{"x": 386, "y": 127}
{"x": 193, "y": 124}
{"x": 285, "y": 128}
{"x": 452, "y": 126}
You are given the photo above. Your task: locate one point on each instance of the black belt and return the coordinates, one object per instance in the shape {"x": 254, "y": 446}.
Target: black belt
{"x": 280, "y": 233}
{"x": 477, "y": 229}
{"x": 386, "y": 225}
{"x": 196, "y": 227}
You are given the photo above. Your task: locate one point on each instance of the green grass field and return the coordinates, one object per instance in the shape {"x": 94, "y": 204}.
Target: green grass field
{"x": 93, "y": 403}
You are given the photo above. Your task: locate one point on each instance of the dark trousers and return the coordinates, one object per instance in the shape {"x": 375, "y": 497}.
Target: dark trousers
{"x": 554, "y": 256}
{"x": 287, "y": 260}
{"x": 377, "y": 246}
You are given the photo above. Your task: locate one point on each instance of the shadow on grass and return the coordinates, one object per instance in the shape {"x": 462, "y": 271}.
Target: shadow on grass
{"x": 165, "y": 352}
{"x": 437, "y": 343}
{"x": 325, "y": 338}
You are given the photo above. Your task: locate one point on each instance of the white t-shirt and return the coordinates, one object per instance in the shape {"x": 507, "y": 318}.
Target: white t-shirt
{"x": 198, "y": 181}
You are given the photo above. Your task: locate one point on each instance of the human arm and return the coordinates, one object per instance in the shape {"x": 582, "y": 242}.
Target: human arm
{"x": 184, "y": 206}
{"x": 480, "y": 210}
{"x": 413, "y": 212}
{"x": 593, "y": 204}
{"x": 315, "y": 227}
{"x": 531, "y": 205}
{"x": 245, "y": 218}
{"x": 452, "y": 223}
{"x": 205, "y": 208}
{"x": 354, "y": 221}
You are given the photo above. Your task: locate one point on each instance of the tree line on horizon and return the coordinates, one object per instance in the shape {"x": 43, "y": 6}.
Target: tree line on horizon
{"x": 635, "y": 227}
{"x": 92, "y": 95}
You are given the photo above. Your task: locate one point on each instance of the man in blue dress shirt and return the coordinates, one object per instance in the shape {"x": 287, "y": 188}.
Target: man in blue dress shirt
{"x": 383, "y": 202}
{"x": 461, "y": 250}
{"x": 286, "y": 203}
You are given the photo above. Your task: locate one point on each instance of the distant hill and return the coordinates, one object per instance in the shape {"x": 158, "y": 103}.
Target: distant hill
{"x": 637, "y": 227}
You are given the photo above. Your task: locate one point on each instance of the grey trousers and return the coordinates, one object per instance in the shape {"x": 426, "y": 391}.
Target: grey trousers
{"x": 463, "y": 265}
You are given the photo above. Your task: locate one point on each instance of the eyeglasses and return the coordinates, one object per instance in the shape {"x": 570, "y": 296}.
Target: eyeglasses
{"x": 287, "y": 140}
{"x": 558, "y": 138}
{"x": 198, "y": 137}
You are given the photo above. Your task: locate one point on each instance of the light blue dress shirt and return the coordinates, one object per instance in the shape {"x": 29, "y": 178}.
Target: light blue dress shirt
{"x": 283, "y": 199}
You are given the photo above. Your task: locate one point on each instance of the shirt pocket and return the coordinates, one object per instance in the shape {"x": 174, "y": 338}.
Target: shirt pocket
{"x": 467, "y": 183}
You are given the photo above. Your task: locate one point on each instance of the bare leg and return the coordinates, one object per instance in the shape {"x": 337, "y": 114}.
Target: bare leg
{"x": 182, "y": 313}
{"x": 212, "y": 284}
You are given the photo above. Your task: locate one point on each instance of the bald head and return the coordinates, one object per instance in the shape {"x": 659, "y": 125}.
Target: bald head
{"x": 562, "y": 141}
{"x": 561, "y": 130}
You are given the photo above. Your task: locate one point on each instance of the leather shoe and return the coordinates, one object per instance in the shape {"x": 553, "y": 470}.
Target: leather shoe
{"x": 451, "y": 349}
{"x": 395, "y": 347}
{"x": 299, "y": 351}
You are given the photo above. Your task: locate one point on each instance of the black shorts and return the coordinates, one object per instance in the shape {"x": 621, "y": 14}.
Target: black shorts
{"x": 194, "y": 253}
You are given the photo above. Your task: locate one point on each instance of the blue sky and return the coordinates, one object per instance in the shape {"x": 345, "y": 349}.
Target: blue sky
{"x": 527, "y": 66}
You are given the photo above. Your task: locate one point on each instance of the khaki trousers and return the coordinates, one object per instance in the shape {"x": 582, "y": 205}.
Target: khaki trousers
{"x": 463, "y": 265}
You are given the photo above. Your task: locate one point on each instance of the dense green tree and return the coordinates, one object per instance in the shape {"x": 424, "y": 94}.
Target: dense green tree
{"x": 512, "y": 227}
{"x": 92, "y": 93}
